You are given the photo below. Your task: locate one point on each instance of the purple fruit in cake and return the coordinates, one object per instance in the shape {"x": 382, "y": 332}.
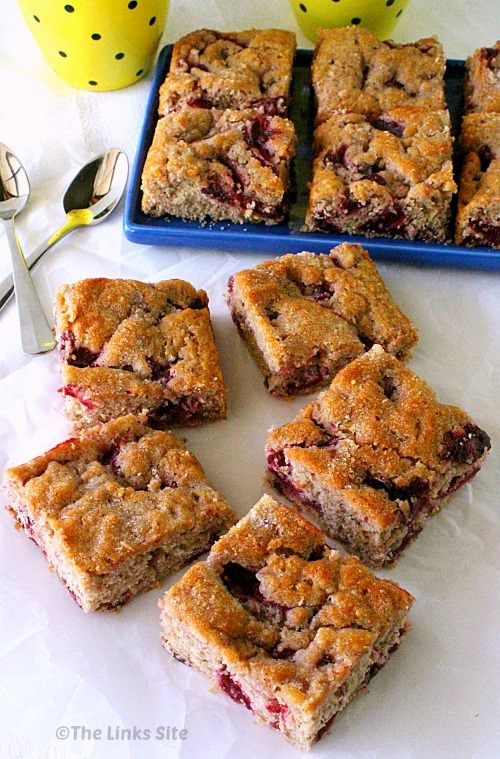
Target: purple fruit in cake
{"x": 486, "y": 156}
{"x": 257, "y": 135}
{"x": 464, "y": 444}
{"x": 336, "y": 157}
{"x": 199, "y": 101}
{"x": 274, "y": 707}
{"x": 232, "y": 689}
{"x": 389, "y": 125}
{"x": 160, "y": 372}
{"x": 349, "y": 205}
{"x": 77, "y": 392}
{"x": 76, "y": 356}
{"x": 484, "y": 233}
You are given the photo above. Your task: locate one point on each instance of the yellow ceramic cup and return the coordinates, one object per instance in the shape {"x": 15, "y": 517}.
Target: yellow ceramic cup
{"x": 97, "y": 44}
{"x": 380, "y": 16}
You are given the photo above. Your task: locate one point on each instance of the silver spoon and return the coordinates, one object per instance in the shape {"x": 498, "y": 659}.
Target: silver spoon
{"x": 92, "y": 195}
{"x": 36, "y": 335}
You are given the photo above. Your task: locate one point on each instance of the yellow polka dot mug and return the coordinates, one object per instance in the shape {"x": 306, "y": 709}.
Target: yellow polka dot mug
{"x": 380, "y": 16}
{"x": 97, "y": 44}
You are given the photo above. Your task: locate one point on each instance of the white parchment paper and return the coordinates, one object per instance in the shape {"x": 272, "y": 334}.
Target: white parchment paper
{"x": 438, "y": 696}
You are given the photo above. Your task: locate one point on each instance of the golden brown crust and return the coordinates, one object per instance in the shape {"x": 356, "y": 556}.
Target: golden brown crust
{"x": 304, "y": 316}
{"x": 94, "y": 308}
{"x": 307, "y": 615}
{"x": 392, "y": 176}
{"x": 268, "y": 529}
{"x": 133, "y": 346}
{"x": 115, "y": 492}
{"x": 292, "y": 329}
{"x": 378, "y": 441}
{"x": 482, "y": 83}
{"x": 356, "y": 289}
{"x": 249, "y": 69}
{"x": 219, "y": 164}
{"x": 354, "y": 71}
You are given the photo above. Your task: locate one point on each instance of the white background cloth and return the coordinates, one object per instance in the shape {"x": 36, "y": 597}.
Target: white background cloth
{"x": 438, "y": 696}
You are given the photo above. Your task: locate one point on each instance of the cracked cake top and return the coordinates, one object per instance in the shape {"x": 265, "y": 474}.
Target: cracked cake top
{"x": 241, "y": 158}
{"x": 344, "y": 282}
{"x": 121, "y": 335}
{"x": 116, "y": 491}
{"x": 355, "y": 72}
{"x": 278, "y": 602}
{"x": 378, "y": 434}
{"x": 390, "y": 157}
{"x": 249, "y": 69}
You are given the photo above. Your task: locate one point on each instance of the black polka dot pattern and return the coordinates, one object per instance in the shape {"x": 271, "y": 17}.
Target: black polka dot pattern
{"x": 302, "y": 7}
{"x": 389, "y": 3}
{"x": 36, "y": 19}
{"x": 96, "y": 36}
{"x": 355, "y": 20}
{"x": 398, "y": 14}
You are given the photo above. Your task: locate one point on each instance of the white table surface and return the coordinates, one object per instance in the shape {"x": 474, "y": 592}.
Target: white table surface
{"x": 438, "y": 697}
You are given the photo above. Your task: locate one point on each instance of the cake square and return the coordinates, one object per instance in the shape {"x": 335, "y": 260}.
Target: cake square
{"x": 206, "y": 164}
{"x": 237, "y": 70}
{"x": 374, "y": 456}
{"x": 305, "y": 316}
{"x": 283, "y": 624}
{"x": 128, "y": 347}
{"x": 116, "y": 509}
{"x": 478, "y": 213}
{"x": 392, "y": 176}
{"x": 355, "y": 72}
{"x": 482, "y": 82}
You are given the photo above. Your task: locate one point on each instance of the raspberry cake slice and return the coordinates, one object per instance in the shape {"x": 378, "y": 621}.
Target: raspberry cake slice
{"x": 482, "y": 82}
{"x": 478, "y": 214}
{"x": 305, "y": 316}
{"x": 133, "y": 347}
{"x": 283, "y": 624}
{"x": 237, "y": 70}
{"x": 116, "y": 509}
{"x": 206, "y": 164}
{"x": 374, "y": 456}
{"x": 392, "y": 176}
{"x": 355, "y": 72}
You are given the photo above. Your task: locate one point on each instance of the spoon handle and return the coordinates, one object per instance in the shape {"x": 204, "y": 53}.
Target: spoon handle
{"x": 7, "y": 285}
{"x": 36, "y": 334}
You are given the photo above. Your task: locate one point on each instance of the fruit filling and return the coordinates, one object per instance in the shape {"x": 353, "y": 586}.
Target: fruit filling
{"x": 464, "y": 445}
{"x": 76, "y": 355}
{"x": 231, "y": 688}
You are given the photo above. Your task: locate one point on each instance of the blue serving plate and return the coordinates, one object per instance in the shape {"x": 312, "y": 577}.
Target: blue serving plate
{"x": 287, "y": 237}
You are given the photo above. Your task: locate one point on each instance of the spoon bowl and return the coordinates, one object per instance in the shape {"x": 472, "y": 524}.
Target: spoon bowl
{"x": 104, "y": 177}
{"x": 36, "y": 335}
{"x": 92, "y": 195}
{"x": 14, "y": 184}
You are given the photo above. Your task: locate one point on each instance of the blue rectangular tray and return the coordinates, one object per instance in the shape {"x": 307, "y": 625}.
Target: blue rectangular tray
{"x": 287, "y": 237}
